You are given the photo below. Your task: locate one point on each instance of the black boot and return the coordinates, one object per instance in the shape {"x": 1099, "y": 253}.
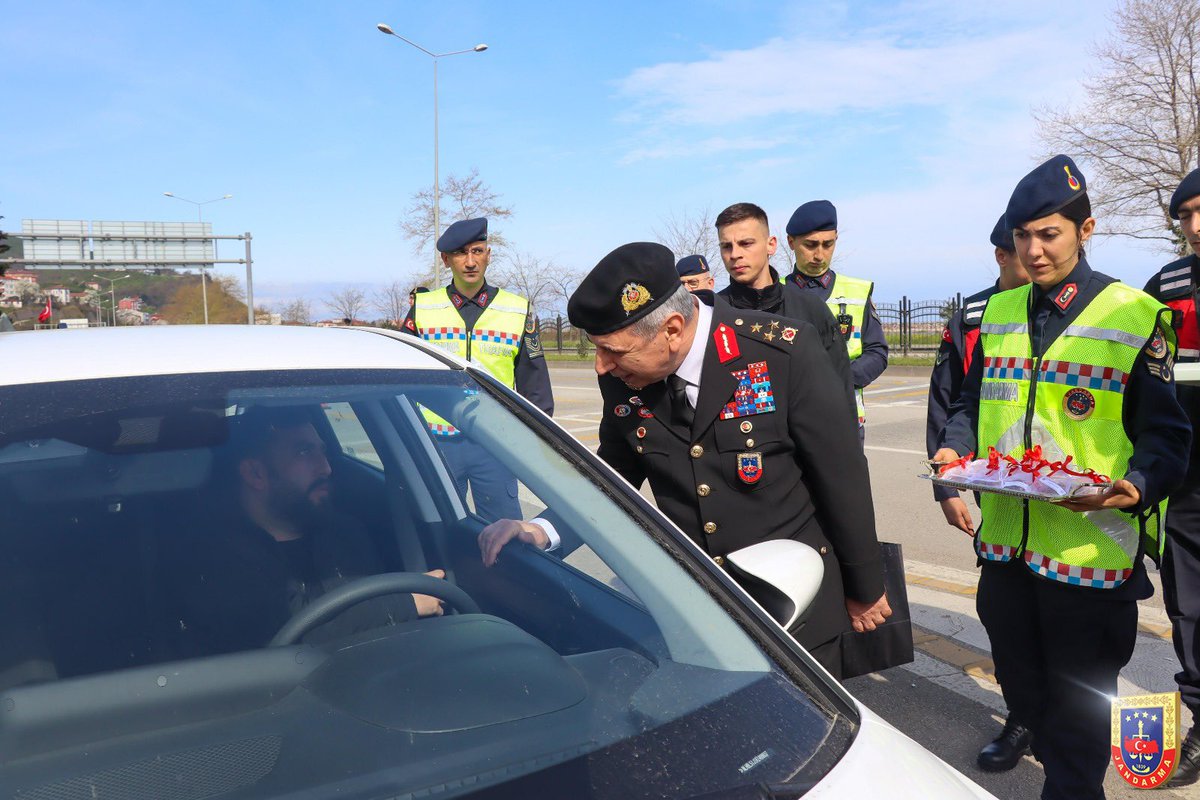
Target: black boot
{"x": 1004, "y": 753}
{"x": 1187, "y": 771}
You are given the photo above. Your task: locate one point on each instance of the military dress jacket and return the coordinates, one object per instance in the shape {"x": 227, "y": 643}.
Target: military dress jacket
{"x": 773, "y": 453}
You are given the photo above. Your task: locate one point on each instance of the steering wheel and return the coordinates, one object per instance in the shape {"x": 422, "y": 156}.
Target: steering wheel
{"x": 330, "y": 604}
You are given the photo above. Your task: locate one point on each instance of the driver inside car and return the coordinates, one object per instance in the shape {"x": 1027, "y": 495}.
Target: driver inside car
{"x": 271, "y": 544}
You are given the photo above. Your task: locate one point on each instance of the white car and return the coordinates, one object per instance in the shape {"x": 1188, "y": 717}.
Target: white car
{"x": 160, "y": 637}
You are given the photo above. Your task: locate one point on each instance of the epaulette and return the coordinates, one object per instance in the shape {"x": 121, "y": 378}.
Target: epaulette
{"x": 766, "y": 328}
{"x": 974, "y": 306}
{"x": 1174, "y": 280}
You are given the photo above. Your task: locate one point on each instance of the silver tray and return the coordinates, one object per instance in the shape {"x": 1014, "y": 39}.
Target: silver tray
{"x": 1079, "y": 491}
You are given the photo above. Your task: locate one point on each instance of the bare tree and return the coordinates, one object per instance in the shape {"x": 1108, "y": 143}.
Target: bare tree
{"x": 461, "y": 198}
{"x": 297, "y": 312}
{"x": 534, "y": 278}
{"x": 1138, "y": 132}
{"x": 392, "y": 302}
{"x": 693, "y": 233}
{"x": 347, "y": 303}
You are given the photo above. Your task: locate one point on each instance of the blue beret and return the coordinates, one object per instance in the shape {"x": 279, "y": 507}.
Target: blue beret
{"x": 1002, "y": 236}
{"x": 816, "y": 215}
{"x": 461, "y": 234}
{"x": 691, "y": 265}
{"x": 1189, "y": 187}
{"x": 626, "y": 285}
{"x": 1045, "y": 191}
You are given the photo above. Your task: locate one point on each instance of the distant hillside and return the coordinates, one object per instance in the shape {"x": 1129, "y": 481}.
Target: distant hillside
{"x": 174, "y": 296}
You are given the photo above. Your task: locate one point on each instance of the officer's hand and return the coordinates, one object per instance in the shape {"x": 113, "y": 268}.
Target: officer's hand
{"x": 1123, "y": 494}
{"x": 945, "y": 456}
{"x": 427, "y": 605}
{"x": 493, "y": 538}
{"x": 866, "y": 616}
{"x": 957, "y": 514}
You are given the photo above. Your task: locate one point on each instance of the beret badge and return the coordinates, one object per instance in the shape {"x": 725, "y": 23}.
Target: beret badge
{"x": 1072, "y": 181}
{"x": 633, "y": 297}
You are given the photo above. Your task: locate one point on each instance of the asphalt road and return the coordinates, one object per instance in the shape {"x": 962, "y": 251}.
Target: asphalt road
{"x": 948, "y": 699}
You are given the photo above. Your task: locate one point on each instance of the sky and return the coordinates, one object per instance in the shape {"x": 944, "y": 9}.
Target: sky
{"x": 594, "y": 121}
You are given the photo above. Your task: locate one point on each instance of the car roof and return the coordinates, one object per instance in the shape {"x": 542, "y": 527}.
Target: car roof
{"x": 91, "y": 353}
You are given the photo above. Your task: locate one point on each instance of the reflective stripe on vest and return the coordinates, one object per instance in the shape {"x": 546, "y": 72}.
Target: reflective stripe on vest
{"x": 851, "y": 296}
{"x": 493, "y": 343}
{"x": 1076, "y": 393}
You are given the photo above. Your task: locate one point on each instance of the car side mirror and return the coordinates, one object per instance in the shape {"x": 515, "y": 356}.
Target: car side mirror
{"x": 783, "y": 575}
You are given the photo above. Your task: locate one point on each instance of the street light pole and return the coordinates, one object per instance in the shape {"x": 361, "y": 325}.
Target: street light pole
{"x": 200, "y": 219}
{"x": 112, "y": 282}
{"x": 437, "y": 191}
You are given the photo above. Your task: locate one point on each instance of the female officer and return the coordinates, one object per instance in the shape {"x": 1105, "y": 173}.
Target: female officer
{"x": 1080, "y": 365}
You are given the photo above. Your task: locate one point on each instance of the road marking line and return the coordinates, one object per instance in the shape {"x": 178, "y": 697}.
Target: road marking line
{"x": 947, "y": 651}
{"x": 910, "y": 387}
{"x": 896, "y": 450}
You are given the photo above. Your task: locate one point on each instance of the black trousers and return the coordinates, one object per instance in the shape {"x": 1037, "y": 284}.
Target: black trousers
{"x": 1058, "y": 650}
{"x": 493, "y": 487}
{"x": 1181, "y": 589}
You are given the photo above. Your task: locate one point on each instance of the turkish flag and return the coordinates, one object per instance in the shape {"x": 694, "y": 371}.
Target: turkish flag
{"x": 45, "y": 315}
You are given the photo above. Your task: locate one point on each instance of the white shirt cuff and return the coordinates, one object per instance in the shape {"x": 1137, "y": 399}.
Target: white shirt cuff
{"x": 551, "y": 534}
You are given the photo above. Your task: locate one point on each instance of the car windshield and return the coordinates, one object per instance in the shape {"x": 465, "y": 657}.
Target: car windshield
{"x": 215, "y": 584}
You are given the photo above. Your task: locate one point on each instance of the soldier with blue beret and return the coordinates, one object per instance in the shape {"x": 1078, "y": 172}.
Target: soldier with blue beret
{"x": 493, "y": 328}
{"x": 1078, "y": 365}
{"x": 741, "y": 426}
{"x": 1176, "y": 285}
{"x": 694, "y": 274}
{"x": 812, "y": 234}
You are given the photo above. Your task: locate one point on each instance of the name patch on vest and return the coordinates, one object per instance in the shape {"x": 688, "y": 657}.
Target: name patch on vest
{"x": 1004, "y": 392}
{"x": 1079, "y": 404}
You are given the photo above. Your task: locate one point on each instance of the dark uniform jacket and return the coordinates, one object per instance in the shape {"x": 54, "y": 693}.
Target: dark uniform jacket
{"x": 812, "y": 485}
{"x": 874, "y": 359}
{"x": 1175, "y": 286}
{"x": 950, "y": 368}
{"x": 786, "y": 300}
{"x": 233, "y": 586}
{"x": 532, "y": 376}
{"x": 1154, "y": 421}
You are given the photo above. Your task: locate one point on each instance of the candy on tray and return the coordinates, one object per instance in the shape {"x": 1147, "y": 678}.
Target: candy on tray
{"x": 1031, "y": 475}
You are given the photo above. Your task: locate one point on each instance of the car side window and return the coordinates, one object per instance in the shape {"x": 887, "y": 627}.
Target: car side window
{"x": 351, "y": 436}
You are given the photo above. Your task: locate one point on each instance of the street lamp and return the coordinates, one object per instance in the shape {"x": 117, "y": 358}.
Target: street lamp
{"x": 112, "y": 282}
{"x": 200, "y": 219}
{"x": 437, "y": 199}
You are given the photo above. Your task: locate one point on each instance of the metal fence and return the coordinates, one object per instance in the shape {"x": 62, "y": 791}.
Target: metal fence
{"x": 911, "y": 326}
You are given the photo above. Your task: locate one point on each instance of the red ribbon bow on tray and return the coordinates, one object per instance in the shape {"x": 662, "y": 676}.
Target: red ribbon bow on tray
{"x": 1033, "y": 462}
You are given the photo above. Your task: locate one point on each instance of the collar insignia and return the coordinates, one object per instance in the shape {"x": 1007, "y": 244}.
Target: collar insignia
{"x": 726, "y": 342}
{"x": 1066, "y": 296}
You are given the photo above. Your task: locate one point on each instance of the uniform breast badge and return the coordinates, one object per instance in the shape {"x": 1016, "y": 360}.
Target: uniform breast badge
{"x": 1145, "y": 738}
{"x": 750, "y": 467}
{"x": 753, "y": 394}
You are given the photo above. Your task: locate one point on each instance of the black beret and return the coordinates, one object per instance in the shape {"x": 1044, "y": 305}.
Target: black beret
{"x": 1189, "y": 187}
{"x": 461, "y": 234}
{"x": 691, "y": 265}
{"x": 816, "y": 215}
{"x": 625, "y": 286}
{"x": 1045, "y": 191}
{"x": 1002, "y": 236}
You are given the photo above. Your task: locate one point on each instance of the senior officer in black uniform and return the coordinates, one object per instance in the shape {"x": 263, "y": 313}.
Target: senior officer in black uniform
{"x": 694, "y": 274}
{"x": 812, "y": 236}
{"x": 495, "y": 329}
{"x": 1058, "y": 602}
{"x": 951, "y": 366}
{"x": 1176, "y": 285}
{"x": 739, "y": 423}
{"x": 744, "y": 236}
